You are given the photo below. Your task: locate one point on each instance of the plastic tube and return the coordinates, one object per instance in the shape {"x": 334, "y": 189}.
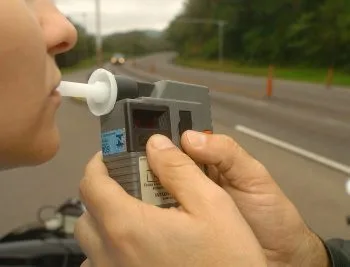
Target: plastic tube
{"x": 100, "y": 93}
{"x": 72, "y": 89}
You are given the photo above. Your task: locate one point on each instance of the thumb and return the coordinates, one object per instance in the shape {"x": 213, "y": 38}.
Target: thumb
{"x": 183, "y": 179}
{"x": 233, "y": 163}
{"x": 96, "y": 166}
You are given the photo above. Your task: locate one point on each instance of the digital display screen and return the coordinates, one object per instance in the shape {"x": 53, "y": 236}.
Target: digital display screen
{"x": 147, "y": 119}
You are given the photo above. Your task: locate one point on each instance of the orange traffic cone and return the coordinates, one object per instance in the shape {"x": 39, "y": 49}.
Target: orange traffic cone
{"x": 269, "y": 86}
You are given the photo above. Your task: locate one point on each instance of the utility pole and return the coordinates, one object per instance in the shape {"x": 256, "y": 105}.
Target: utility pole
{"x": 84, "y": 14}
{"x": 86, "y": 45}
{"x": 99, "y": 51}
{"x": 220, "y": 23}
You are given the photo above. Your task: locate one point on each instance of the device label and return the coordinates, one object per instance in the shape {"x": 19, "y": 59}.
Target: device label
{"x": 113, "y": 142}
{"x": 152, "y": 191}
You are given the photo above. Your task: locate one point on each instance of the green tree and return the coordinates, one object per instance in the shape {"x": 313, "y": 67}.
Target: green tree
{"x": 85, "y": 48}
{"x": 285, "y": 32}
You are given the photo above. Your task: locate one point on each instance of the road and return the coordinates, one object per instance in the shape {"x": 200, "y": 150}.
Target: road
{"x": 316, "y": 189}
{"x": 311, "y": 111}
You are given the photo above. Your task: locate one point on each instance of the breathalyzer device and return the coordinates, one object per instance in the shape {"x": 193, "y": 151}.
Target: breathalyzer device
{"x": 130, "y": 113}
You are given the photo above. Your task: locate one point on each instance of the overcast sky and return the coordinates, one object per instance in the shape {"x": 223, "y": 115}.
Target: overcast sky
{"x": 122, "y": 15}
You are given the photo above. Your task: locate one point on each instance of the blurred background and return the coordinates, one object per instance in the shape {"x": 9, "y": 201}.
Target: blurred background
{"x": 278, "y": 73}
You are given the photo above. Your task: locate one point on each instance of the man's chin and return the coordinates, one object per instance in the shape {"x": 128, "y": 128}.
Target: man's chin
{"x": 35, "y": 151}
{"x": 41, "y": 153}
{"x": 45, "y": 154}
{"x": 35, "y": 158}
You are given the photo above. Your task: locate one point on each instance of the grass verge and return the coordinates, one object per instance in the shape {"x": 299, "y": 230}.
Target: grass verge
{"x": 294, "y": 74}
{"x": 86, "y": 63}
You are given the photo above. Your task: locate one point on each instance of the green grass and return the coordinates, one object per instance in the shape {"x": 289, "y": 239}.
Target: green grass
{"x": 86, "y": 63}
{"x": 293, "y": 74}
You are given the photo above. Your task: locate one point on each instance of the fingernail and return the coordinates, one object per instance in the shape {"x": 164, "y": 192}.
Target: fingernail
{"x": 161, "y": 142}
{"x": 196, "y": 139}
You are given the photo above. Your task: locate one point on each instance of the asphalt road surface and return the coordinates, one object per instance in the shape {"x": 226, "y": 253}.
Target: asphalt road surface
{"x": 305, "y": 115}
{"x": 302, "y": 116}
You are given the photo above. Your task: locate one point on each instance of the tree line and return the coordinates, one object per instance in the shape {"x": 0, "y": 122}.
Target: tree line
{"x": 84, "y": 49}
{"x": 283, "y": 32}
{"x": 133, "y": 43}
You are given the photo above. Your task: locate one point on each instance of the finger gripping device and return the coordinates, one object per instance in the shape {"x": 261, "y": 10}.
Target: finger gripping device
{"x": 134, "y": 111}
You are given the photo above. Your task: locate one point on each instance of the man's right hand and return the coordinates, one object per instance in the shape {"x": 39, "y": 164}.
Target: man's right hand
{"x": 286, "y": 239}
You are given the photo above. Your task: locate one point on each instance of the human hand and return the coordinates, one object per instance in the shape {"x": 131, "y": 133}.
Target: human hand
{"x": 285, "y": 238}
{"x": 207, "y": 229}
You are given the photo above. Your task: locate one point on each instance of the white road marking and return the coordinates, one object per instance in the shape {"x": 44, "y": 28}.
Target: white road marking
{"x": 348, "y": 187}
{"x": 297, "y": 150}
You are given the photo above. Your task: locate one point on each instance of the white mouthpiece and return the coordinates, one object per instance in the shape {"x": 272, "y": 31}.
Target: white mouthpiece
{"x": 98, "y": 91}
{"x": 101, "y": 91}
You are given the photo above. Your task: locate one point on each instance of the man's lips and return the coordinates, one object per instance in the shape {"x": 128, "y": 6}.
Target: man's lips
{"x": 55, "y": 87}
{"x": 54, "y": 91}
